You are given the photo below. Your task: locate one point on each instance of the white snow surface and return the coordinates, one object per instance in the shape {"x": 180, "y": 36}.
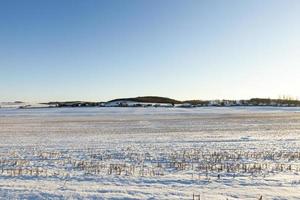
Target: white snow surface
{"x": 150, "y": 153}
{"x": 22, "y": 104}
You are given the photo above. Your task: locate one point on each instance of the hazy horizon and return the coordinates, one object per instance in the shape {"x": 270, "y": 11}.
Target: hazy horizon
{"x": 101, "y": 50}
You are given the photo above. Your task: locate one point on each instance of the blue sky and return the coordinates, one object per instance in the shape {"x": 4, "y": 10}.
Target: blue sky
{"x": 98, "y": 50}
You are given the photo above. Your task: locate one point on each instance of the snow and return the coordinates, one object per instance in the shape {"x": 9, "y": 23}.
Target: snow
{"x": 22, "y": 105}
{"x": 150, "y": 153}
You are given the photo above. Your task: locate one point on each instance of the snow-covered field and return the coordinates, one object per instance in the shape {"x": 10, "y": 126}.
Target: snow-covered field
{"x": 150, "y": 153}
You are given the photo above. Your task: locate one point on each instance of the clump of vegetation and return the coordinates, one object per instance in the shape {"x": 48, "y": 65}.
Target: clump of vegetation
{"x": 201, "y": 164}
{"x": 274, "y": 102}
{"x": 197, "y": 102}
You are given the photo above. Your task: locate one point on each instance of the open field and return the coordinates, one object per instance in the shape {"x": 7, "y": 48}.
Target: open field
{"x": 150, "y": 153}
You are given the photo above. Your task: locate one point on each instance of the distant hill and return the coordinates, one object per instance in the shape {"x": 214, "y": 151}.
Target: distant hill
{"x": 164, "y": 100}
{"x": 150, "y": 99}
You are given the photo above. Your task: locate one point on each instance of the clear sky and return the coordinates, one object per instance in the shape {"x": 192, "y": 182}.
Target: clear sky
{"x": 98, "y": 50}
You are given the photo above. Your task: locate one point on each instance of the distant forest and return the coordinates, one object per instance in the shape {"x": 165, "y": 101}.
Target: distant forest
{"x": 198, "y": 103}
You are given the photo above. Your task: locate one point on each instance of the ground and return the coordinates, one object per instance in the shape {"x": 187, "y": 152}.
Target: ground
{"x": 150, "y": 153}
